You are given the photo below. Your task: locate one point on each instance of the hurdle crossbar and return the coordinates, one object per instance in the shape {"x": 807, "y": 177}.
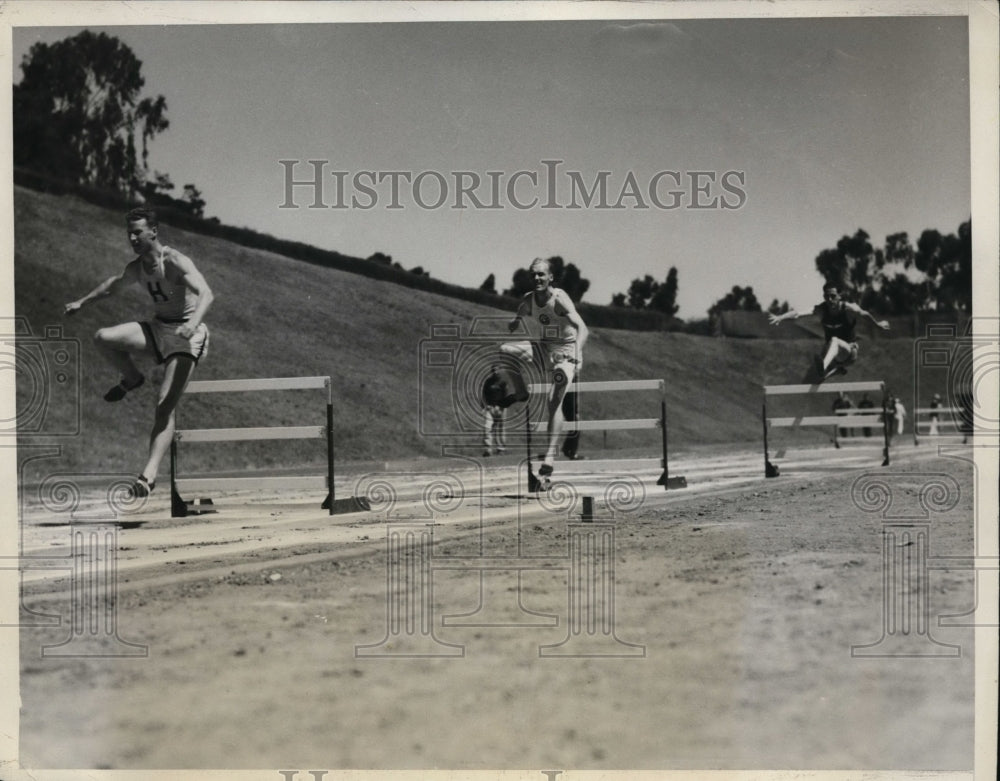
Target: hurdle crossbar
{"x": 248, "y": 434}
{"x": 601, "y": 425}
{"x": 181, "y": 508}
{"x": 611, "y": 425}
{"x": 830, "y": 387}
{"x": 259, "y": 384}
{"x": 947, "y": 423}
{"x": 856, "y": 421}
{"x": 604, "y": 385}
{"x": 857, "y": 418}
{"x": 845, "y": 419}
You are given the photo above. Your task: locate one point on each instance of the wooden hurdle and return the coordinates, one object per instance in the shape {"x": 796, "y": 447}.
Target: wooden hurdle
{"x": 660, "y": 422}
{"x": 180, "y": 508}
{"x": 947, "y": 424}
{"x": 863, "y": 420}
{"x": 874, "y": 415}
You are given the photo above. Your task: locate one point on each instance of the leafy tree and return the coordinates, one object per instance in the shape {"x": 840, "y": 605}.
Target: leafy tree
{"x": 192, "y": 197}
{"x": 78, "y": 114}
{"x": 665, "y": 298}
{"x": 899, "y": 279}
{"x": 572, "y": 282}
{"x": 947, "y": 263}
{"x": 161, "y": 183}
{"x": 641, "y": 291}
{"x": 521, "y": 284}
{"x": 850, "y": 265}
{"x": 737, "y": 299}
{"x": 489, "y": 285}
{"x": 778, "y": 308}
{"x": 647, "y": 293}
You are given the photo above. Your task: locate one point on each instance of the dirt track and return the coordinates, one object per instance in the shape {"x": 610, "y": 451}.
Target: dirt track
{"x": 727, "y": 643}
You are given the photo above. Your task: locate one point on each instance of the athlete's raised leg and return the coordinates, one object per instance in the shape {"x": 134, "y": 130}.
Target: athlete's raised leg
{"x": 116, "y": 344}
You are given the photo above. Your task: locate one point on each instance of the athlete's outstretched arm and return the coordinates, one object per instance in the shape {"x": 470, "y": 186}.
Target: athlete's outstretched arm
{"x": 109, "y": 286}
{"x": 791, "y": 314}
{"x": 883, "y": 324}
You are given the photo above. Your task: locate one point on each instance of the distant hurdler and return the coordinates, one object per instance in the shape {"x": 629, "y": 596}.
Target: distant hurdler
{"x": 839, "y": 319}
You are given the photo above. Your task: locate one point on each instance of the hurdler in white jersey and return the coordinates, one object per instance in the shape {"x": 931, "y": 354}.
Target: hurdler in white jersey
{"x": 557, "y": 331}
{"x": 551, "y": 325}
{"x": 174, "y": 303}
{"x": 175, "y": 336}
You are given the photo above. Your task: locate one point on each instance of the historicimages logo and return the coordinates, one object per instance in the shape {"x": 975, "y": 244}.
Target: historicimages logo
{"x": 317, "y": 184}
{"x": 45, "y": 370}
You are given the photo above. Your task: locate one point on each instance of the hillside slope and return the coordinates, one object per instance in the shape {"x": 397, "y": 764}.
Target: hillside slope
{"x": 275, "y": 317}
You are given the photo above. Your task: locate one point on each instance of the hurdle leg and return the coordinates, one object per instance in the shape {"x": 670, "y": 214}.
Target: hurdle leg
{"x": 666, "y": 480}
{"x": 533, "y": 482}
{"x": 770, "y": 470}
{"x": 351, "y": 504}
{"x": 178, "y": 507}
{"x": 885, "y": 428}
{"x": 330, "y": 497}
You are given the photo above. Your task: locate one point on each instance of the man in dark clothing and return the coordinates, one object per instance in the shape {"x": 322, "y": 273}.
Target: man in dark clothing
{"x": 839, "y": 319}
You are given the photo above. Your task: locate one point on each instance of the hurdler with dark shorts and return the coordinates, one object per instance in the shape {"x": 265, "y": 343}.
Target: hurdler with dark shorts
{"x": 839, "y": 319}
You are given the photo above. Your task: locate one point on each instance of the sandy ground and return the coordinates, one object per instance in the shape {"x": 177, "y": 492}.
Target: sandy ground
{"x": 463, "y": 623}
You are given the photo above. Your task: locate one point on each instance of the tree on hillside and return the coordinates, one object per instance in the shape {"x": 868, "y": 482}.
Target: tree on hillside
{"x": 647, "y": 293}
{"x": 778, "y": 308}
{"x": 737, "y": 299}
{"x": 946, "y": 261}
{"x": 571, "y": 281}
{"x": 192, "y": 197}
{"x": 640, "y": 292}
{"x": 78, "y": 113}
{"x": 850, "y": 264}
{"x": 564, "y": 276}
{"x": 489, "y": 284}
{"x": 665, "y": 298}
{"x": 520, "y": 284}
{"x": 899, "y": 279}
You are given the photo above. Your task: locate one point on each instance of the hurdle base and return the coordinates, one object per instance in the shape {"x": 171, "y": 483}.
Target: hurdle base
{"x": 672, "y": 482}
{"x": 352, "y": 504}
{"x": 770, "y": 470}
{"x": 179, "y": 508}
{"x": 533, "y": 482}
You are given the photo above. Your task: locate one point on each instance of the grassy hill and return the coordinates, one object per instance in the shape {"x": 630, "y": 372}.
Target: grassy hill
{"x": 276, "y": 317}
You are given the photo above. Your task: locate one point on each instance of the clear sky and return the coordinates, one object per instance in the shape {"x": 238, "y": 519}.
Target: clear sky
{"x": 817, "y": 127}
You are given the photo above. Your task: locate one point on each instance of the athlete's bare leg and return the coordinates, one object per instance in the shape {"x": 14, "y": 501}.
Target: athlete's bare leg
{"x": 562, "y": 377}
{"x": 176, "y": 374}
{"x": 832, "y": 351}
